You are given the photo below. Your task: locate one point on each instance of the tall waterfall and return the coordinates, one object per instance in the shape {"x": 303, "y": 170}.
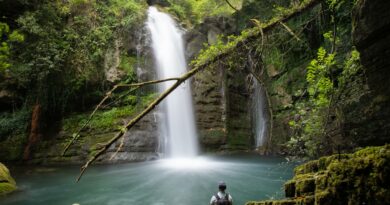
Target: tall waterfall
{"x": 177, "y": 123}
{"x": 259, "y": 114}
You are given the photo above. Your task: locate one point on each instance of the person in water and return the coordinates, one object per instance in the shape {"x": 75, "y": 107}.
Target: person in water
{"x": 222, "y": 197}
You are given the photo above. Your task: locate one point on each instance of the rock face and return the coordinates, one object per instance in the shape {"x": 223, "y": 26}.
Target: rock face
{"x": 359, "y": 178}
{"x": 207, "y": 33}
{"x": 222, "y": 107}
{"x": 7, "y": 183}
{"x": 138, "y": 144}
{"x": 371, "y": 35}
{"x": 221, "y": 97}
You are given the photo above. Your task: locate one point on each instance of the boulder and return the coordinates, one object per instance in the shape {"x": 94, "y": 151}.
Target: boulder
{"x": 7, "y": 183}
{"x": 358, "y": 178}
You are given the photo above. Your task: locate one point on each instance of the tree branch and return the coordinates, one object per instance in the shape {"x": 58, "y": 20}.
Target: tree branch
{"x": 139, "y": 117}
{"x": 227, "y": 1}
{"x": 255, "y": 32}
{"x": 198, "y": 67}
{"x": 290, "y": 31}
{"x": 108, "y": 95}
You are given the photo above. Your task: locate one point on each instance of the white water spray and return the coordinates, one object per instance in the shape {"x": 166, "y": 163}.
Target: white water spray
{"x": 178, "y": 124}
{"x": 259, "y": 115}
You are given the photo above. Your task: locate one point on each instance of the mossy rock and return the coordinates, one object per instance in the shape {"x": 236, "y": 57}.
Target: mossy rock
{"x": 306, "y": 168}
{"x": 289, "y": 188}
{"x": 324, "y": 197}
{"x": 358, "y": 178}
{"x": 7, "y": 183}
{"x": 305, "y": 187}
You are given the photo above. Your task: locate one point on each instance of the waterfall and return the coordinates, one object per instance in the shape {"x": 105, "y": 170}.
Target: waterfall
{"x": 177, "y": 121}
{"x": 259, "y": 114}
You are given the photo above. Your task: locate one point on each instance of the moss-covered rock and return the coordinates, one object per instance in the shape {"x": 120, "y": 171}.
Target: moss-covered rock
{"x": 7, "y": 183}
{"x": 358, "y": 178}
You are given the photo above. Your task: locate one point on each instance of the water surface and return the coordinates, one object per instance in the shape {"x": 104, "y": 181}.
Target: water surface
{"x": 162, "y": 182}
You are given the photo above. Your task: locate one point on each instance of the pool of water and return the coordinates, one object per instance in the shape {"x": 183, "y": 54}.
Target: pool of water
{"x": 162, "y": 182}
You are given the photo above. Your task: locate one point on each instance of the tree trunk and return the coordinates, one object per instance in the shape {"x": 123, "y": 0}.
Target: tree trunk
{"x": 35, "y": 134}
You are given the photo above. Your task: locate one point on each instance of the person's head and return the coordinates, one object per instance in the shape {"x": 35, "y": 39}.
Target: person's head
{"x": 221, "y": 186}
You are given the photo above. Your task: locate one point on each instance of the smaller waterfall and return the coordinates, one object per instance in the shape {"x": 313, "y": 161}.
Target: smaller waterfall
{"x": 260, "y": 119}
{"x": 178, "y": 121}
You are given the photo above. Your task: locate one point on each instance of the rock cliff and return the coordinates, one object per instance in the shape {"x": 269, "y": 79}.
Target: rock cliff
{"x": 371, "y": 35}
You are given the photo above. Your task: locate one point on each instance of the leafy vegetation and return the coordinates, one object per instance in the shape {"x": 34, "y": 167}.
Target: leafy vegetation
{"x": 327, "y": 82}
{"x": 56, "y": 55}
{"x": 195, "y": 11}
{"x": 110, "y": 119}
{"x": 7, "y": 37}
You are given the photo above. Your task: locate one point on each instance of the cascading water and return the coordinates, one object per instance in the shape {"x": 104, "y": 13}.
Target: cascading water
{"x": 259, "y": 114}
{"x": 177, "y": 123}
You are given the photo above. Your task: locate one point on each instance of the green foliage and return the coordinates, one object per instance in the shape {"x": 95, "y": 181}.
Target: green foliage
{"x": 197, "y": 10}
{"x": 351, "y": 68}
{"x": 7, "y": 37}
{"x": 64, "y": 50}
{"x": 14, "y": 123}
{"x": 221, "y": 46}
{"x": 110, "y": 119}
{"x": 310, "y": 130}
{"x": 329, "y": 78}
{"x": 127, "y": 64}
{"x": 317, "y": 77}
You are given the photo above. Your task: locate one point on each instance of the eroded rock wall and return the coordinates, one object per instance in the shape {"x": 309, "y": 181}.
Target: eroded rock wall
{"x": 138, "y": 144}
{"x": 221, "y": 96}
{"x": 371, "y": 35}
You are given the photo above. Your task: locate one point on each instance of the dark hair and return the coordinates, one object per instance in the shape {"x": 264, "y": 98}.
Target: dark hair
{"x": 222, "y": 187}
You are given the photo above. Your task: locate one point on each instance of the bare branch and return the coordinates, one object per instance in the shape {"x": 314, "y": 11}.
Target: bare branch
{"x": 227, "y": 1}
{"x": 119, "y": 148}
{"x": 129, "y": 125}
{"x": 108, "y": 95}
{"x": 290, "y": 31}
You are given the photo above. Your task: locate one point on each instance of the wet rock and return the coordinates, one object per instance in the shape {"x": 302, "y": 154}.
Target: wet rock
{"x": 358, "y": 178}
{"x": 7, "y": 183}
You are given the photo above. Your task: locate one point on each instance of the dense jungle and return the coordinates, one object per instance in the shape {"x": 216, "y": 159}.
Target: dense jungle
{"x": 280, "y": 102}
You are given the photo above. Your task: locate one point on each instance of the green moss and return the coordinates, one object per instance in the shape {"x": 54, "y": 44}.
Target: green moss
{"x": 306, "y": 168}
{"x": 289, "y": 188}
{"x": 358, "y": 178}
{"x": 7, "y": 183}
{"x": 108, "y": 120}
{"x": 323, "y": 198}
{"x": 127, "y": 64}
{"x": 305, "y": 186}
{"x": 11, "y": 149}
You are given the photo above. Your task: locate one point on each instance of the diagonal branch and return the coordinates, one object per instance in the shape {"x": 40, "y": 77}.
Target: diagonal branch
{"x": 108, "y": 95}
{"x": 129, "y": 125}
{"x": 228, "y": 2}
{"x": 290, "y": 31}
{"x": 254, "y": 33}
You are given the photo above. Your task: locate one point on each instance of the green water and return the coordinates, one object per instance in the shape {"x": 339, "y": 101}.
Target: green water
{"x": 162, "y": 182}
